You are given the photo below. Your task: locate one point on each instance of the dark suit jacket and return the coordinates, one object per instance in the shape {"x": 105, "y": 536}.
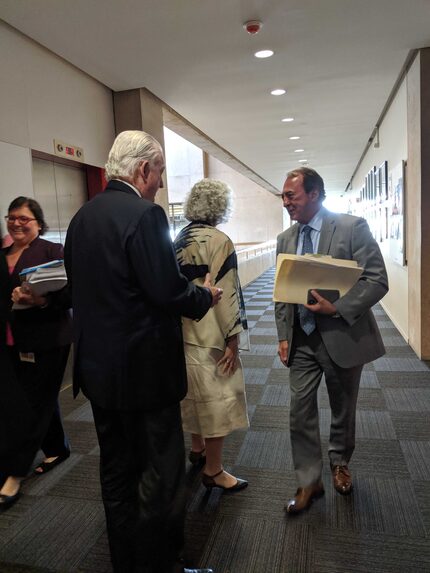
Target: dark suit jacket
{"x": 41, "y": 328}
{"x": 354, "y": 338}
{"x": 128, "y": 295}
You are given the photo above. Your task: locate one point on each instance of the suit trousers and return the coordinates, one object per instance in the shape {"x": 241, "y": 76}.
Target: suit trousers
{"x": 142, "y": 474}
{"x": 309, "y": 361}
{"x": 40, "y": 383}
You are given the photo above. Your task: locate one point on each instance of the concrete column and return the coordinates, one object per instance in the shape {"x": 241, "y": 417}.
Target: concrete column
{"x": 140, "y": 109}
{"x": 418, "y": 203}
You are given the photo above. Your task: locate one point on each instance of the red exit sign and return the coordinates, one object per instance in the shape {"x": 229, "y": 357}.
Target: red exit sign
{"x": 70, "y": 151}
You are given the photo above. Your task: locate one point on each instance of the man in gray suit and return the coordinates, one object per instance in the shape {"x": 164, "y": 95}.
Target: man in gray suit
{"x": 331, "y": 338}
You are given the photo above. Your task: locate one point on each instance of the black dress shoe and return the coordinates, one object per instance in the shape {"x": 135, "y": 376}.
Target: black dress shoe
{"x": 209, "y": 482}
{"x": 6, "y": 501}
{"x": 45, "y": 467}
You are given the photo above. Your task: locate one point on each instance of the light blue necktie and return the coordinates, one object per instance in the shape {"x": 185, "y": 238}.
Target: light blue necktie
{"x": 306, "y": 317}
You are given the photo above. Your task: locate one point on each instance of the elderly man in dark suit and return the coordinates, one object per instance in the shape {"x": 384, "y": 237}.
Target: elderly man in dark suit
{"x": 331, "y": 338}
{"x": 128, "y": 296}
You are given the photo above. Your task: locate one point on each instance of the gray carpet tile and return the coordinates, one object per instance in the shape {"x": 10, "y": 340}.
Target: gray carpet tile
{"x": 255, "y": 361}
{"x": 400, "y": 365}
{"x": 368, "y": 398}
{"x": 422, "y": 492}
{"x": 375, "y": 425}
{"x": 417, "y": 456}
{"x": 266, "y": 450}
{"x": 404, "y": 379}
{"x": 409, "y": 400}
{"x": 394, "y": 341}
{"x": 369, "y": 380}
{"x": 361, "y": 552}
{"x": 251, "y": 324}
{"x": 385, "y": 324}
{"x": 276, "y": 395}
{"x": 82, "y": 435}
{"x": 271, "y": 418}
{"x": 253, "y": 393}
{"x": 279, "y": 376}
{"x": 70, "y": 528}
{"x": 276, "y": 363}
{"x": 251, "y": 410}
{"x": 411, "y": 427}
{"x": 266, "y": 318}
{"x": 256, "y": 375}
{"x": 82, "y": 414}
{"x": 379, "y": 458}
{"x": 81, "y": 482}
{"x": 258, "y": 330}
{"x": 98, "y": 559}
{"x": 252, "y": 311}
{"x": 265, "y": 340}
{"x": 258, "y": 304}
{"x": 399, "y": 352}
{"x": 38, "y": 485}
{"x": 241, "y": 544}
{"x": 264, "y": 349}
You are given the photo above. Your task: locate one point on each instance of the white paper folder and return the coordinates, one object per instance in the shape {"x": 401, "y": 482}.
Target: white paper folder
{"x": 297, "y": 274}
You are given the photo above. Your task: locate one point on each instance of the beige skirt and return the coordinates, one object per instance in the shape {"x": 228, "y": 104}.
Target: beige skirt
{"x": 215, "y": 405}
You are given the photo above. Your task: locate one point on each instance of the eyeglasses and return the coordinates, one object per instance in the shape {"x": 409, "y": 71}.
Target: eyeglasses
{"x": 22, "y": 220}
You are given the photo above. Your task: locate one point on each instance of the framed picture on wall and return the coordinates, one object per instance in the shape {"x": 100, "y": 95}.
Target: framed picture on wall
{"x": 383, "y": 181}
{"x": 396, "y": 179}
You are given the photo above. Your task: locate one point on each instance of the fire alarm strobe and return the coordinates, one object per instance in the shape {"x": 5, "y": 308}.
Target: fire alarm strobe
{"x": 253, "y": 26}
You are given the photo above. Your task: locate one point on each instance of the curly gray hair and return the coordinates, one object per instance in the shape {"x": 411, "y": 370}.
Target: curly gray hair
{"x": 128, "y": 150}
{"x": 209, "y": 200}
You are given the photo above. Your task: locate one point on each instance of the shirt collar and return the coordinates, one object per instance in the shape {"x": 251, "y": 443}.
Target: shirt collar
{"x": 315, "y": 223}
{"x": 132, "y": 187}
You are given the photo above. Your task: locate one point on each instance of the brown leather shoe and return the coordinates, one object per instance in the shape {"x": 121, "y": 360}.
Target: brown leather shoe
{"x": 304, "y": 497}
{"x": 342, "y": 479}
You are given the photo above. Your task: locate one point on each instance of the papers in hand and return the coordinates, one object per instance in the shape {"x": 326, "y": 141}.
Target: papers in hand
{"x": 296, "y": 274}
{"x": 43, "y": 279}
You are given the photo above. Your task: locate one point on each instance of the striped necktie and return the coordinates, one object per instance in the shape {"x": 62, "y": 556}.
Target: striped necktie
{"x": 306, "y": 317}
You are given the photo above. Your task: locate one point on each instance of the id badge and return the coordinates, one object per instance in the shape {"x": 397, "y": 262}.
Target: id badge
{"x": 27, "y": 357}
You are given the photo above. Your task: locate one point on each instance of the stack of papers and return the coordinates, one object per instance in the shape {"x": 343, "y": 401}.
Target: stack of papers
{"x": 43, "y": 279}
{"x": 297, "y": 274}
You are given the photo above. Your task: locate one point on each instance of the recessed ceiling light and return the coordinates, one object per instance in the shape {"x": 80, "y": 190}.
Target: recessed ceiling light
{"x": 277, "y": 92}
{"x": 286, "y": 119}
{"x": 298, "y": 150}
{"x": 294, "y": 137}
{"x": 264, "y": 54}
{"x": 303, "y": 160}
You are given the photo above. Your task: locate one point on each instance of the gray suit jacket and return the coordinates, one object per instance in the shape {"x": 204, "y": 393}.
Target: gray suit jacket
{"x": 354, "y": 338}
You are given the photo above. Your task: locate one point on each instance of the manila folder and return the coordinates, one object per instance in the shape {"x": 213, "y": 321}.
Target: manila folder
{"x": 297, "y": 274}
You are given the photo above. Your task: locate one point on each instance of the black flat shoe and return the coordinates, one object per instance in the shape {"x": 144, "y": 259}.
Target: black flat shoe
{"x": 209, "y": 482}
{"x": 45, "y": 467}
{"x": 6, "y": 501}
{"x": 197, "y": 458}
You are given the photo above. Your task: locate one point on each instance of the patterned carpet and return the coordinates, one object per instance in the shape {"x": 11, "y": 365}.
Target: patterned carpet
{"x": 383, "y": 527}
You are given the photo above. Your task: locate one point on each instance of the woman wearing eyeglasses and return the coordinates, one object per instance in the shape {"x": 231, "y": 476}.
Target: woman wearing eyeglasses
{"x": 39, "y": 341}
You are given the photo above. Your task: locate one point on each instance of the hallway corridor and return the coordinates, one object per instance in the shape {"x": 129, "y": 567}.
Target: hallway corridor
{"x": 383, "y": 527}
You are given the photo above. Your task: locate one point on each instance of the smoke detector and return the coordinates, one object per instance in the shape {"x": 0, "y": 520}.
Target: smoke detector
{"x": 252, "y": 26}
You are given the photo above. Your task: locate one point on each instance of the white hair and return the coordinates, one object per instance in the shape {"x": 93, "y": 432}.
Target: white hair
{"x": 210, "y": 201}
{"x": 128, "y": 150}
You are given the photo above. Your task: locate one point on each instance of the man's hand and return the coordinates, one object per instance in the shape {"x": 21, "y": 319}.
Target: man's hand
{"x": 215, "y": 292}
{"x": 283, "y": 351}
{"x": 322, "y": 306}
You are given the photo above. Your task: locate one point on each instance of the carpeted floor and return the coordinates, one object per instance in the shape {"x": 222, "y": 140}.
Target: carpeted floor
{"x": 383, "y": 527}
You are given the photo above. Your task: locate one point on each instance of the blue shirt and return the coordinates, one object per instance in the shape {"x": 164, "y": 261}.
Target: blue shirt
{"x": 315, "y": 223}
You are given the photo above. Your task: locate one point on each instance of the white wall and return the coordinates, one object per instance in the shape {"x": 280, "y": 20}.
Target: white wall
{"x": 43, "y": 98}
{"x": 257, "y": 213}
{"x": 392, "y": 148}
